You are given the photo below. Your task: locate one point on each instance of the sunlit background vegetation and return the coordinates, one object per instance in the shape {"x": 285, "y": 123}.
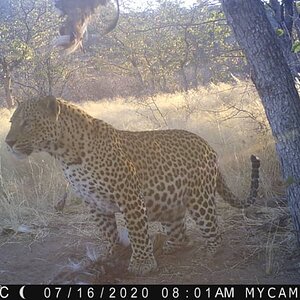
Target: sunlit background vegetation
{"x": 165, "y": 46}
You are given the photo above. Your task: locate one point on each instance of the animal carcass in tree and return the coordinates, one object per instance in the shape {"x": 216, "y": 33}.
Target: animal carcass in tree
{"x": 78, "y": 14}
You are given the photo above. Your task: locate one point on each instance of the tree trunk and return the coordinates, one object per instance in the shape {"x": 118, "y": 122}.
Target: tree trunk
{"x": 7, "y": 83}
{"x": 275, "y": 85}
{"x": 297, "y": 21}
{"x": 184, "y": 78}
{"x": 288, "y": 15}
{"x": 282, "y": 18}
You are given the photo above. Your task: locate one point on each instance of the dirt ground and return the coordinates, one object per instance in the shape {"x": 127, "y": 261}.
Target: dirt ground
{"x": 257, "y": 249}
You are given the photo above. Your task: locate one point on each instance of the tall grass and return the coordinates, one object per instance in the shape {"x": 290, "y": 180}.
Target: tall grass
{"x": 229, "y": 117}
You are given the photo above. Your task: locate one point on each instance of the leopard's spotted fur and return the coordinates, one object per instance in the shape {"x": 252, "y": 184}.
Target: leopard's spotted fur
{"x": 149, "y": 175}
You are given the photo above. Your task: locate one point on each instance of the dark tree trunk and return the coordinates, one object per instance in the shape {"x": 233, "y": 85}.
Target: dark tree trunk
{"x": 297, "y": 21}
{"x": 288, "y": 15}
{"x": 275, "y": 85}
{"x": 276, "y": 7}
{"x": 7, "y": 83}
{"x": 282, "y": 18}
{"x": 184, "y": 78}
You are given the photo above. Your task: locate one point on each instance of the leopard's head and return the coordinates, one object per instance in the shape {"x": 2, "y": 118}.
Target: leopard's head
{"x": 34, "y": 126}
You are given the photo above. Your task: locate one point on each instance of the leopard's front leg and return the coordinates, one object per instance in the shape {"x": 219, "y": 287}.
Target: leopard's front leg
{"x": 107, "y": 226}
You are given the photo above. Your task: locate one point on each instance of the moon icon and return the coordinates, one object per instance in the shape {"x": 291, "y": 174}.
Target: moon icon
{"x": 21, "y": 292}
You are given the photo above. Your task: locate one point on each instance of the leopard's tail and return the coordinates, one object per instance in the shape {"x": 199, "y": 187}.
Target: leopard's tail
{"x": 224, "y": 191}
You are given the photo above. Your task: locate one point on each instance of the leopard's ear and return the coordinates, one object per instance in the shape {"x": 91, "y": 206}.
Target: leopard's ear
{"x": 50, "y": 105}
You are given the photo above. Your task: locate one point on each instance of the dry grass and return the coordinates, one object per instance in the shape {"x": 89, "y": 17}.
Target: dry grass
{"x": 230, "y": 118}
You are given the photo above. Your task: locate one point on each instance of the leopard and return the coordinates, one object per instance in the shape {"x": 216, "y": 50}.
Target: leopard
{"x": 156, "y": 175}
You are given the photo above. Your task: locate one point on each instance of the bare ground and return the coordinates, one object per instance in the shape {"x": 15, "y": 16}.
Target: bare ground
{"x": 258, "y": 248}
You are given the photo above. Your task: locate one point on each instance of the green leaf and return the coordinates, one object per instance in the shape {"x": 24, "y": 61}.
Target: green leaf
{"x": 296, "y": 46}
{"x": 279, "y": 32}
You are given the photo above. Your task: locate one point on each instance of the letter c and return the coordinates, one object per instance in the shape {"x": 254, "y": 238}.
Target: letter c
{"x": 2, "y": 296}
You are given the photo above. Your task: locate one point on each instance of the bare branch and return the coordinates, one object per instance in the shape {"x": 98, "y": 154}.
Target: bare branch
{"x": 185, "y": 25}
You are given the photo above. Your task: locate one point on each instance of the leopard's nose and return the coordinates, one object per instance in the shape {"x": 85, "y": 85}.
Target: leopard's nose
{"x": 10, "y": 142}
